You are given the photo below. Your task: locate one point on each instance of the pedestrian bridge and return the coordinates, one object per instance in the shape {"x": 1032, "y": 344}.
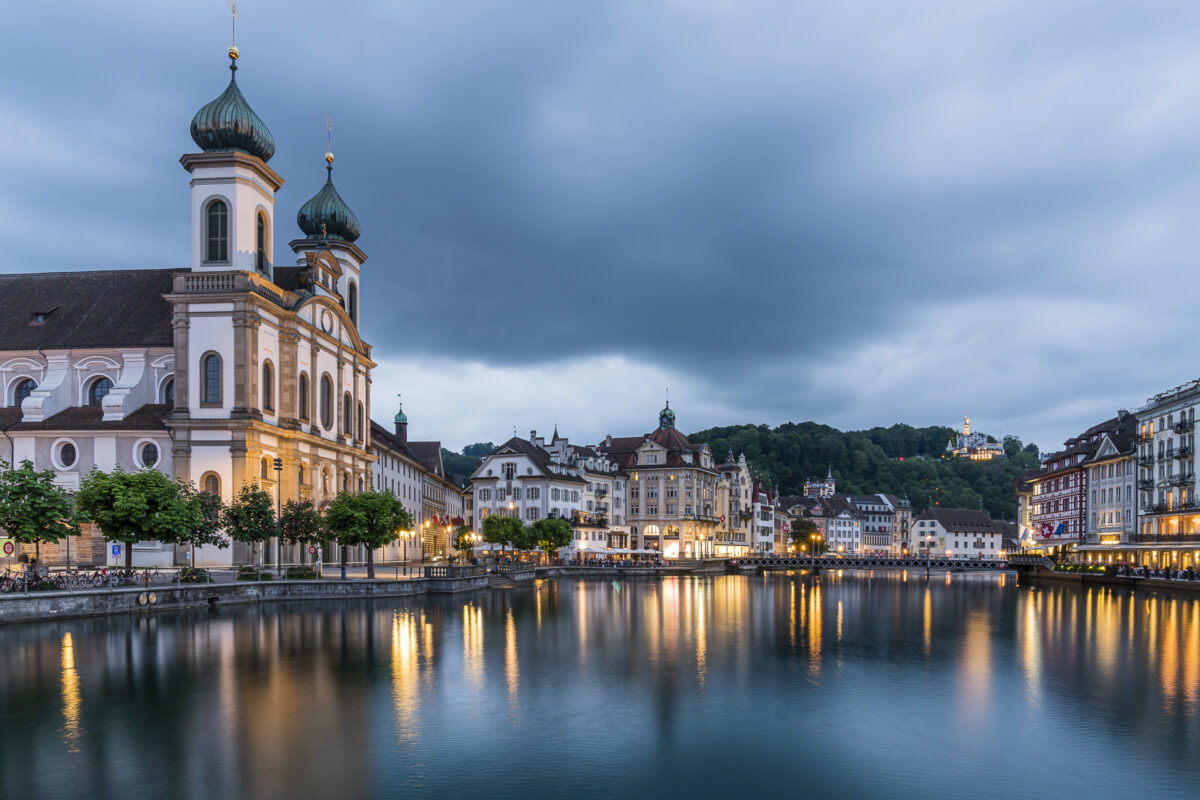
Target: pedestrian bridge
{"x": 872, "y": 562}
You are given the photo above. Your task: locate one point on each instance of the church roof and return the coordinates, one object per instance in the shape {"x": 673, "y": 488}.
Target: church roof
{"x": 90, "y": 418}
{"x": 86, "y": 309}
{"x": 229, "y": 124}
{"x": 326, "y": 215}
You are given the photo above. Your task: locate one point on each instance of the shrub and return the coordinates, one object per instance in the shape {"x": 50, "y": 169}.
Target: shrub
{"x": 247, "y": 573}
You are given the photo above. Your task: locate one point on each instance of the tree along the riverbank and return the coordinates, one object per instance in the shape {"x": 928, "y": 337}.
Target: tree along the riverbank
{"x": 504, "y": 531}
{"x": 464, "y": 540}
{"x": 302, "y": 523}
{"x": 33, "y": 508}
{"x": 900, "y": 460}
{"x": 372, "y": 519}
{"x": 131, "y": 507}
{"x": 806, "y": 535}
{"x": 250, "y": 517}
{"x": 550, "y": 535}
{"x": 206, "y": 510}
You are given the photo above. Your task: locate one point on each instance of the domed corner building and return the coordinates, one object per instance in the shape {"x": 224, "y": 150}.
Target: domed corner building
{"x": 208, "y": 373}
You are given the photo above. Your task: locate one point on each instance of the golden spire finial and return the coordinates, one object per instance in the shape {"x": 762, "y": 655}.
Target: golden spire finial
{"x": 329, "y": 140}
{"x": 233, "y": 51}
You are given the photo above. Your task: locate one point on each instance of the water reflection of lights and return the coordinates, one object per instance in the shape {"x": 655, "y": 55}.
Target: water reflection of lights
{"x": 927, "y": 621}
{"x": 473, "y": 645}
{"x": 701, "y": 639}
{"x": 71, "y": 697}
{"x": 814, "y": 631}
{"x": 975, "y": 672}
{"x": 406, "y": 694}
{"x": 512, "y": 670}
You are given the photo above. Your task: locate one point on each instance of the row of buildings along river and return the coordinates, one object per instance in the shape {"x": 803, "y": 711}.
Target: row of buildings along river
{"x": 1124, "y": 490}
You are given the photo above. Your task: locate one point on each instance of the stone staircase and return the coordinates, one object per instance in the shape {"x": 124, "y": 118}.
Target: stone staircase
{"x": 500, "y": 581}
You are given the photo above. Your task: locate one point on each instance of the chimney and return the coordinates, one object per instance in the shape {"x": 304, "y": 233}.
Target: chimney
{"x": 608, "y": 441}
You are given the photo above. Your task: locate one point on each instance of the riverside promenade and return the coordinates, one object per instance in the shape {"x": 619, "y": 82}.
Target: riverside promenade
{"x": 43, "y": 605}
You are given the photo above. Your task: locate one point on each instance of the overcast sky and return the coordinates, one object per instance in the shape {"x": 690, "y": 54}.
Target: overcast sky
{"x": 857, "y": 213}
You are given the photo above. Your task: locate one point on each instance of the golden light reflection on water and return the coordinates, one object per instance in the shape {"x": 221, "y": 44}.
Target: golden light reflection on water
{"x": 1030, "y": 643}
{"x": 512, "y": 669}
{"x": 406, "y": 673}
{"x": 71, "y": 698}
{"x": 814, "y": 632}
{"x": 473, "y": 645}
{"x": 927, "y": 620}
{"x": 701, "y": 639}
{"x": 975, "y": 668}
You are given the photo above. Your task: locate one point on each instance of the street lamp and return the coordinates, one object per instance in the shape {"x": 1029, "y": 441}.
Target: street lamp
{"x": 278, "y": 530}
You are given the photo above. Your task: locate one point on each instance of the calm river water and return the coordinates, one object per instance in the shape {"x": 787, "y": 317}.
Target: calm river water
{"x": 784, "y": 685}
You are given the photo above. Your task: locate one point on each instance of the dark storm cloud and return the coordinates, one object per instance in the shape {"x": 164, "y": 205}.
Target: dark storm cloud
{"x": 855, "y": 212}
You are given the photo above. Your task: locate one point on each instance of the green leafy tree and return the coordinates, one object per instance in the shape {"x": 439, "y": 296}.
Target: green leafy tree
{"x": 373, "y": 519}
{"x": 301, "y": 523}
{"x": 33, "y": 509}
{"x": 250, "y": 517}
{"x": 132, "y": 507}
{"x": 205, "y": 510}
{"x": 464, "y": 540}
{"x": 550, "y": 535}
{"x": 501, "y": 530}
{"x": 803, "y": 532}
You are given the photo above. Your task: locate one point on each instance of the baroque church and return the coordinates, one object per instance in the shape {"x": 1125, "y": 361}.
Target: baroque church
{"x": 238, "y": 368}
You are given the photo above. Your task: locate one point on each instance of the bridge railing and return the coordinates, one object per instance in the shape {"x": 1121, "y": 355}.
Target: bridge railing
{"x": 873, "y": 562}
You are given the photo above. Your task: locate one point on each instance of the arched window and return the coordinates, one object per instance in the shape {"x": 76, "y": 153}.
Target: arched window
{"x": 303, "y": 397}
{"x": 23, "y": 389}
{"x": 352, "y": 304}
{"x": 169, "y": 392}
{"x": 300, "y": 474}
{"x": 264, "y": 468}
{"x": 347, "y": 415}
{"x": 360, "y": 422}
{"x": 268, "y": 387}
{"x": 261, "y": 242}
{"x": 96, "y": 392}
{"x": 217, "y": 231}
{"x": 211, "y": 390}
{"x": 346, "y": 482}
{"x": 212, "y": 484}
{"x": 326, "y": 401}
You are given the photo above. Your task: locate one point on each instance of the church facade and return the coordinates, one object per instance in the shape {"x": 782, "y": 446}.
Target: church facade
{"x": 235, "y": 369}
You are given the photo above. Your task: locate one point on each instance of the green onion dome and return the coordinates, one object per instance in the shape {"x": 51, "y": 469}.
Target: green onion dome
{"x": 229, "y": 124}
{"x": 326, "y": 215}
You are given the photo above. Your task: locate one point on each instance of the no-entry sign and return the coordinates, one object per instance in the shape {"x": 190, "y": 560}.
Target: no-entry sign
{"x": 312, "y": 549}
{"x": 9, "y": 548}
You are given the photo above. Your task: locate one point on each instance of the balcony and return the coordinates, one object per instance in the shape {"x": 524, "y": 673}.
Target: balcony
{"x": 1164, "y": 538}
{"x": 1178, "y": 508}
{"x": 580, "y": 520}
{"x": 1182, "y": 479}
{"x": 1146, "y": 460}
{"x": 601, "y": 491}
{"x": 1182, "y": 452}
{"x": 1145, "y": 483}
{"x": 1183, "y": 426}
{"x": 1142, "y": 438}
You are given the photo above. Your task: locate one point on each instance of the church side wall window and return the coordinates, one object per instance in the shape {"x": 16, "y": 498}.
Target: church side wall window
{"x": 326, "y": 402}
{"x": 217, "y": 231}
{"x": 268, "y": 387}
{"x": 353, "y": 303}
{"x": 360, "y": 421}
{"x": 303, "y": 400}
{"x": 212, "y": 484}
{"x": 210, "y": 393}
{"x": 347, "y": 415}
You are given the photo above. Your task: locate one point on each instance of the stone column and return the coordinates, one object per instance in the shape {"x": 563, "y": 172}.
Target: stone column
{"x": 181, "y": 325}
{"x": 242, "y": 402}
{"x": 287, "y": 375}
